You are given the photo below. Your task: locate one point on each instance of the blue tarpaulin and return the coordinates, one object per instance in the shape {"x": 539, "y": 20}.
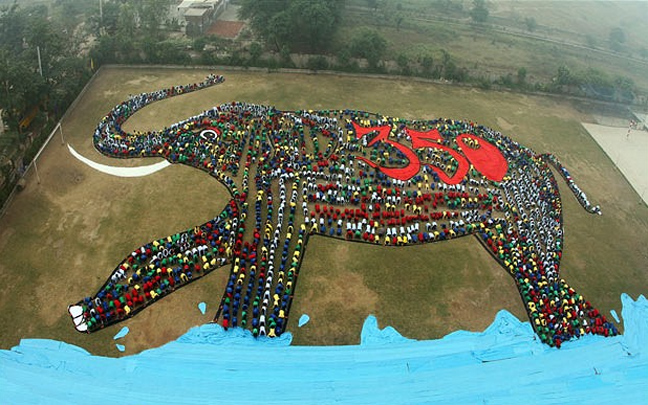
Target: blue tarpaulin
{"x": 504, "y": 364}
{"x": 123, "y": 332}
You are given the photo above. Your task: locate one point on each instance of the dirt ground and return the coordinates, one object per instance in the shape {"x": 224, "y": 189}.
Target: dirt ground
{"x": 628, "y": 150}
{"x": 226, "y": 29}
{"x": 228, "y": 24}
{"x": 61, "y": 238}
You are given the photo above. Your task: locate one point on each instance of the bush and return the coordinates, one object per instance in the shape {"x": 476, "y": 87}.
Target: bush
{"x": 317, "y": 62}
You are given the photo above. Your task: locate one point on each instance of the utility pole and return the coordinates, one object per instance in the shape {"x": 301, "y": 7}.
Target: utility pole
{"x": 38, "y": 179}
{"x": 101, "y": 11}
{"x": 40, "y": 66}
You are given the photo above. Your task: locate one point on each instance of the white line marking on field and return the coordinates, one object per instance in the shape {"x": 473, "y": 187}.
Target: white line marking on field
{"x": 140, "y": 171}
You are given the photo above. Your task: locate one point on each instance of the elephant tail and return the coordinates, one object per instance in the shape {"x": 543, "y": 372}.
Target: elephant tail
{"x": 580, "y": 194}
{"x": 109, "y": 137}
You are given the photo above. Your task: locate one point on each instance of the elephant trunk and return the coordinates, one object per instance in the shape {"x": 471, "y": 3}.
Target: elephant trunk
{"x": 109, "y": 137}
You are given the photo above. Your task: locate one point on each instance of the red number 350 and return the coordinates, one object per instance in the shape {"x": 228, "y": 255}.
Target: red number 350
{"x": 485, "y": 158}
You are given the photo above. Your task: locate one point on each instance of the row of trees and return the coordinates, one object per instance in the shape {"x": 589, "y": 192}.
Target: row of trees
{"x": 42, "y": 70}
{"x": 136, "y": 32}
{"x": 26, "y": 35}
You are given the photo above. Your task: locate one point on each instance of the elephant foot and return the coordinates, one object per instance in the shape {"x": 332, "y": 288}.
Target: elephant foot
{"x": 76, "y": 312}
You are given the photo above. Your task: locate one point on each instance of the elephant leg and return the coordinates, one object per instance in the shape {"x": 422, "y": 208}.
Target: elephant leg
{"x": 264, "y": 275}
{"x": 155, "y": 270}
{"x": 557, "y": 312}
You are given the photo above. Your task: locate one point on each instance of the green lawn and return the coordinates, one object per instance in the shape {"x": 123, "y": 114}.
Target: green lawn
{"x": 61, "y": 238}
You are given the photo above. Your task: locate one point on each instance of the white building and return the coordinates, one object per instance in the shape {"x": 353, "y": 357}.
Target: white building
{"x": 216, "y": 6}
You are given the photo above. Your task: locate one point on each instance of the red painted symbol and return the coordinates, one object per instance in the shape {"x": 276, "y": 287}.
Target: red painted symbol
{"x": 483, "y": 155}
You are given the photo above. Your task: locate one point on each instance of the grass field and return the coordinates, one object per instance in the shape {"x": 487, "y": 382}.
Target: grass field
{"x": 61, "y": 238}
{"x": 567, "y": 33}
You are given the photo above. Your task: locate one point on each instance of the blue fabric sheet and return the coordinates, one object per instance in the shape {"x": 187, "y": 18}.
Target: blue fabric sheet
{"x": 303, "y": 320}
{"x": 504, "y": 364}
{"x": 202, "y": 307}
{"x": 123, "y": 332}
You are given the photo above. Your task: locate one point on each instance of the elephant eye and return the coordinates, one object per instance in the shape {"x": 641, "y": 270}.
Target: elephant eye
{"x": 209, "y": 135}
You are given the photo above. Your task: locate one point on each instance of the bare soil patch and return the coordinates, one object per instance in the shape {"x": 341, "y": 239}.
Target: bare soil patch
{"x": 226, "y": 29}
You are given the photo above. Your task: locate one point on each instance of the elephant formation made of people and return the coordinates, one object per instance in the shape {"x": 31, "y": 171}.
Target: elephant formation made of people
{"x": 349, "y": 175}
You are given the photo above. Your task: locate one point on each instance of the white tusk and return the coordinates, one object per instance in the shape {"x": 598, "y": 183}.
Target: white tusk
{"x": 140, "y": 171}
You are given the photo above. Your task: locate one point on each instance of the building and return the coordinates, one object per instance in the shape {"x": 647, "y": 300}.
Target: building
{"x": 198, "y": 15}
{"x": 198, "y": 20}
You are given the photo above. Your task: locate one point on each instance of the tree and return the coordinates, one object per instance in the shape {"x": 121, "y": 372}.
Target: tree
{"x": 344, "y": 56}
{"x": 479, "y": 12}
{"x": 255, "y": 52}
{"x": 106, "y": 23}
{"x": 399, "y": 21}
{"x": 317, "y": 62}
{"x": 403, "y": 62}
{"x": 19, "y": 88}
{"x": 643, "y": 52}
{"x": 521, "y": 76}
{"x": 127, "y": 21}
{"x": 565, "y": 77}
{"x": 152, "y": 15}
{"x": 299, "y": 24}
{"x": 617, "y": 38}
{"x": 426, "y": 64}
{"x": 369, "y": 44}
{"x": 531, "y": 24}
{"x": 22, "y": 33}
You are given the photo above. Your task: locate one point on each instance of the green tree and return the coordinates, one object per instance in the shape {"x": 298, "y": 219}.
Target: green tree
{"x": 369, "y": 44}
{"x": 255, "y": 52}
{"x": 590, "y": 41}
{"x": 344, "y": 56}
{"x": 20, "y": 87}
{"x": 617, "y": 38}
{"x": 106, "y": 23}
{"x": 506, "y": 80}
{"x": 299, "y": 24}
{"x": 531, "y": 24}
{"x": 403, "y": 62}
{"x": 22, "y": 33}
{"x": 152, "y": 15}
{"x": 427, "y": 62}
{"x": 643, "y": 52}
{"x": 127, "y": 21}
{"x": 317, "y": 62}
{"x": 565, "y": 77}
{"x": 479, "y": 12}
{"x": 521, "y": 76}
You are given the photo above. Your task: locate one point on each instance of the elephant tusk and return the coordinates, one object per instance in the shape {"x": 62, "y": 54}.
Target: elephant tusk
{"x": 140, "y": 171}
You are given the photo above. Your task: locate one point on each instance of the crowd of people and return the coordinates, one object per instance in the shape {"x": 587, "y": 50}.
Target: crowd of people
{"x": 345, "y": 174}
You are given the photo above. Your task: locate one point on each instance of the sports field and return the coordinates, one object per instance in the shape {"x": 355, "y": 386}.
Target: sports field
{"x": 62, "y": 237}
